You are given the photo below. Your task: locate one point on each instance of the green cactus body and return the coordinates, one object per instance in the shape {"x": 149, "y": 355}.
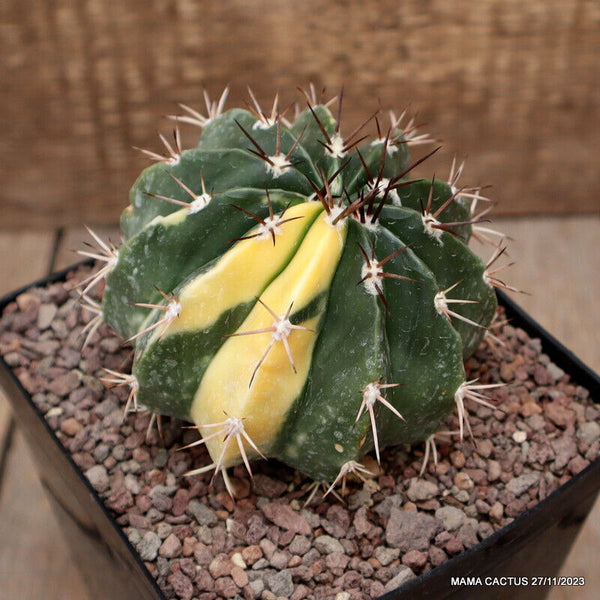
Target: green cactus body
{"x": 303, "y": 308}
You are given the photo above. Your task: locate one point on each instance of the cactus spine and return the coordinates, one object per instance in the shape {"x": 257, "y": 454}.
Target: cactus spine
{"x": 293, "y": 293}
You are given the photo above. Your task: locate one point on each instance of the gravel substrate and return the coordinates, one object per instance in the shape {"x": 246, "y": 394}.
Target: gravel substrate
{"x": 199, "y": 543}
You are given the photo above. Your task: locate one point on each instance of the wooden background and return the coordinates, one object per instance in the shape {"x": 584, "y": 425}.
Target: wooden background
{"x": 514, "y": 85}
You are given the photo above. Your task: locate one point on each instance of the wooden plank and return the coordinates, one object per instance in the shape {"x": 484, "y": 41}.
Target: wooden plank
{"x": 35, "y": 561}
{"x": 556, "y": 262}
{"x": 512, "y": 86}
{"x": 76, "y": 238}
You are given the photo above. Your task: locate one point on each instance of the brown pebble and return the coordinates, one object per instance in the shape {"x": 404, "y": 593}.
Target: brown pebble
{"x": 485, "y": 448}
{"x": 458, "y": 459}
{"x": 463, "y": 482}
{"x": 239, "y": 576}
{"x": 494, "y": 470}
{"x": 220, "y": 566}
{"x": 27, "y": 301}
{"x": 71, "y": 426}
{"x": 226, "y": 501}
{"x": 496, "y": 512}
{"x": 251, "y": 554}
{"x": 530, "y": 407}
{"x": 559, "y": 414}
{"x": 189, "y": 543}
{"x": 507, "y": 372}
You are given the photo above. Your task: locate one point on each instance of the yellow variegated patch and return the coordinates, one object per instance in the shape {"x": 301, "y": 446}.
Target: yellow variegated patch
{"x": 241, "y": 274}
{"x": 259, "y": 372}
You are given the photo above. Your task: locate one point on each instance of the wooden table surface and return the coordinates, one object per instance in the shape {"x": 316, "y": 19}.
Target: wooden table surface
{"x": 557, "y": 261}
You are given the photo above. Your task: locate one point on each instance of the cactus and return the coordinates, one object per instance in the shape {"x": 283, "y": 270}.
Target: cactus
{"x": 294, "y": 293}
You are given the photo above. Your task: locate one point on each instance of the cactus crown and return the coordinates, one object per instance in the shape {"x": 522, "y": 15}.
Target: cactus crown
{"x": 293, "y": 292}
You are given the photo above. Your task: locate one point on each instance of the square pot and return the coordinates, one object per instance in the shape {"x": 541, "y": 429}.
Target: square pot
{"x": 534, "y": 544}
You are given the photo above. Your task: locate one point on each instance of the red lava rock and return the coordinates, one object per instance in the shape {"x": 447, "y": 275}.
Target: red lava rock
{"x": 226, "y": 587}
{"x": 171, "y": 547}
{"x": 454, "y": 546}
{"x": 286, "y": 517}
{"x": 143, "y": 502}
{"x": 361, "y": 521}
{"x": 220, "y": 566}
{"x": 577, "y": 464}
{"x": 541, "y": 375}
{"x": 267, "y": 486}
{"x": 336, "y": 562}
{"x": 182, "y": 585}
{"x": 139, "y": 521}
{"x": 204, "y": 581}
{"x": 437, "y": 556}
{"x": 65, "y": 384}
{"x": 415, "y": 559}
{"x": 565, "y": 448}
{"x": 120, "y": 500}
{"x": 337, "y": 521}
{"x": 180, "y": 501}
{"x": 386, "y": 482}
{"x": 203, "y": 554}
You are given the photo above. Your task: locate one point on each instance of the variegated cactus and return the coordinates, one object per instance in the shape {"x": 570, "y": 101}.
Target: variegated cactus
{"x": 294, "y": 293}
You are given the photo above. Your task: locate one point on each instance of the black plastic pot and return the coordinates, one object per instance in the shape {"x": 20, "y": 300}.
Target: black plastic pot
{"x": 533, "y": 546}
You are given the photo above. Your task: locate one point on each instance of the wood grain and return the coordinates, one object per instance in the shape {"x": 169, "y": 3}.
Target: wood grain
{"x": 76, "y": 238}
{"x": 558, "y": 266}
{"x": 512, "y": 85}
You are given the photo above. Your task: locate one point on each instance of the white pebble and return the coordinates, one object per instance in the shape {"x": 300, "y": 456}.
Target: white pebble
{"x": 55, "y": 411}
{"x": 519, "y": 436}
{"x": 238, "y": 560}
